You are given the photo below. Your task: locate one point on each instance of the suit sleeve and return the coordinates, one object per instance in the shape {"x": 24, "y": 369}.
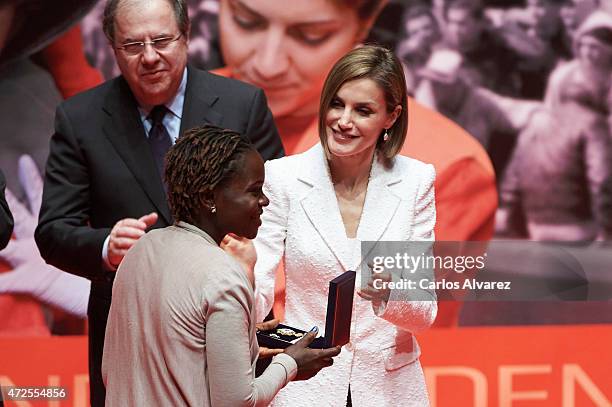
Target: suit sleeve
{"x": 270, "y": 241}
{"x": 261, "y": 130}
{"x": 64, "y": 236}
{"x": 6, "y": 219}
{"x": 415, "y": 310}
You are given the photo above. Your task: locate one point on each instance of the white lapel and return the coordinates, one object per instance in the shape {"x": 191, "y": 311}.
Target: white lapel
{"x": 380, "y": 202}
{"x": 321, "y": 205}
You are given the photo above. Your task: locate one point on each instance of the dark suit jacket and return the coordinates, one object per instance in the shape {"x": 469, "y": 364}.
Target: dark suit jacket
{"x": 101, "y": 169}
{"x": 6, "y": 219}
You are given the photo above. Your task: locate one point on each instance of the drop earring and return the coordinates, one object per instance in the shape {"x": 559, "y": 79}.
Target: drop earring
{"x": 386, "y": 136}
{"x": 213, "y": 209}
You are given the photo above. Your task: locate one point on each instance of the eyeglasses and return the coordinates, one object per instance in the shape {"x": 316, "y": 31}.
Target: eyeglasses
{"x": 159, "y": 44}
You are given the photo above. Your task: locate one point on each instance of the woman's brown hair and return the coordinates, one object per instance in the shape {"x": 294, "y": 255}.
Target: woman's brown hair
{"x": 381, "y": 66}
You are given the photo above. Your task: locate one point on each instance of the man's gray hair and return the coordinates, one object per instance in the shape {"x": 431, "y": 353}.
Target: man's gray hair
{"x": 110, "y": 12}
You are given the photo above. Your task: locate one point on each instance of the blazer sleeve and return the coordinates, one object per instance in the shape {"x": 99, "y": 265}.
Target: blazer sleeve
{"x": 270, "y": 241}
{"x": 415, "y": 310}
{"x": 63, "y": 235}
{"x": 261, "y": 130}
{"x": 231, "y": 380}
{"x": 6, "y": 219}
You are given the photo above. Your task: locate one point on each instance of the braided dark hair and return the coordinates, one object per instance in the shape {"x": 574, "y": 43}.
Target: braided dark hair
{"x": 197, "y": 163}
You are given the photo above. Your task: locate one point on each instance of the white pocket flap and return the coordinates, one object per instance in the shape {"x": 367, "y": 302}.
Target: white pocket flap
{"x": 405, "y": 351}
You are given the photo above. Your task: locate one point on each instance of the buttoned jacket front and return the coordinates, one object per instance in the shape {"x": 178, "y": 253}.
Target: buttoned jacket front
{"x": 303, "y": 224}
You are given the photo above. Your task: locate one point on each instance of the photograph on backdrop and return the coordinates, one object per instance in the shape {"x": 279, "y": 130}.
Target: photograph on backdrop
{"x": 508, "y": 73}
{"x": 510, "y": 102}
{"x": 504, "y": 71}
{"x": 527, "y": 81}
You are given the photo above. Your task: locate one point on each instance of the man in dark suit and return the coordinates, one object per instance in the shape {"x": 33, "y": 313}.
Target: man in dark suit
{"x": 6, "y": 219}
{"x": 103, "y": 186}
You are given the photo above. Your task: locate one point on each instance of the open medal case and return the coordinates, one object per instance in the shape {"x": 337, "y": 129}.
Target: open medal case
{"x": 337, "y": 321}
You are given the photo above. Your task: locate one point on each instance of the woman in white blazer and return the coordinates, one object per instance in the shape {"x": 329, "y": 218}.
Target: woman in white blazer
{"x": 351, "y": 187}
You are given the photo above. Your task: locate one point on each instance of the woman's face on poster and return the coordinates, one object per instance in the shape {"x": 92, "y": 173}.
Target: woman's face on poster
{"x": 286, "y": 48}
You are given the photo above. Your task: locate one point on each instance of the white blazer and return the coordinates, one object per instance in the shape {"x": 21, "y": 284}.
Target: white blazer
{"x": 303, "y": 224}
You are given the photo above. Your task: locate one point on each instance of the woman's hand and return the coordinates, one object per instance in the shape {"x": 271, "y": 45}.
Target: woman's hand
{"x": 243, "y": 250}
{"x": 310, "y": 361}
{"x": 377, "y": 289}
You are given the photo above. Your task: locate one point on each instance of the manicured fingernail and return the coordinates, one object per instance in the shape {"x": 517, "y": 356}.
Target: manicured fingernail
{"x": 314, "y": 329}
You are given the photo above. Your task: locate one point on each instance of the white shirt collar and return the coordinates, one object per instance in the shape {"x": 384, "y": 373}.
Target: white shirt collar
{"x": 175, "y": 106}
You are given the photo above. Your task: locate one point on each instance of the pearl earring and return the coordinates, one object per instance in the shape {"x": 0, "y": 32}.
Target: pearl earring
{"x": 386, "y": 136}
{"x": 213, "y": 209}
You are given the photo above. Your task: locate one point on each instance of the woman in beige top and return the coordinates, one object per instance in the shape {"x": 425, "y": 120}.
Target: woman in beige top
{"x": 181, "y": 327}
